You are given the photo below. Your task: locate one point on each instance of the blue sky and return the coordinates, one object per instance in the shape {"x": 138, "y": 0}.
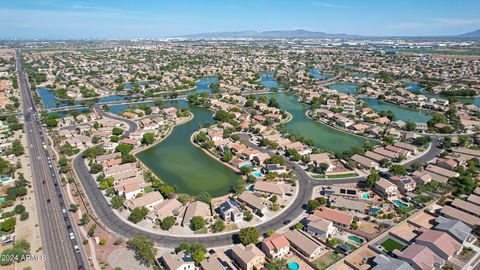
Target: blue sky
{"x": 159, "y": 18}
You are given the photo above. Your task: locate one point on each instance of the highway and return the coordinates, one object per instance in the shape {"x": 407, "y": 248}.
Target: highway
{"x": 59, "y": 235}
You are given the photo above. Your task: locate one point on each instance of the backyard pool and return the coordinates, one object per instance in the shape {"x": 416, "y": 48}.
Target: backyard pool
{"x": 2, "y": 200}
{"x": 293, "y": 266}
{"x": 257, "y": 174}
{"x": 6, "y": 179}
{"x": 400, "y": 203}
{"x": 355, "y": 239}
{"x": 374, "y": 210}
{"x": 365, "y": 196}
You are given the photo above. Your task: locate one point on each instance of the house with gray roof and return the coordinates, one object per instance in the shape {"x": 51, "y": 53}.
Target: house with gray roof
{"x": 455, "y": 228}
{"x": 384, "y": 262}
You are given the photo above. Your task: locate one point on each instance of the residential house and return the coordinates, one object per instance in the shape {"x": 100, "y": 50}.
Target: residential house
{"x": 196, "y": 208}
{"x": 386, "y": 188}
{"x": 439, "y": 242}
{"x": 230, "y": 210}
{"x": 303, "y": 243}
{"x": 455, "y": 228}
{"x": 171, "y": 207}
{"x": 384, "y": 262}
{"x": 174, "y": 261}
{"x": 339, "y": 218}
{"x": 404, "y": 183}
{"x": 268, "y": 188}
{"x": 148, "y": 200}
{"x": 248, "y": 257}
{"x": 254, "y": 202}
{"x": 320, "y": 227}
{"x": 275, "y": 246}
{"x": 470, "y": 220}
{"x": 365, "y": 162}
{"x": 420, "y": 257}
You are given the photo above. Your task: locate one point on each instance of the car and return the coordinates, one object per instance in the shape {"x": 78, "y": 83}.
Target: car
{"x": 77, "y": 249}
{"x": 285, "y": 222}
{"x": 48, "y": 200}
{"x": 72, "y": 236}
{"x": 64, "y": 210}
{"x": 44, "y": 182}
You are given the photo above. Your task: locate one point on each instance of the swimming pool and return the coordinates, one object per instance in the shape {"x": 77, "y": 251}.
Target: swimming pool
{"x": 355, "y": 239}
{"x": 6, "y": 179}
{"x": 365, "y": 196}
{"x": 293, "y": 266}
{"x": 257, "y": 174}
{"x": 400, "y": 203}
{"x": 374, "y": 210}
{"x": 2, "y": 200}
{"x": 246, "y": 165}
{"x": 250, "y": 187}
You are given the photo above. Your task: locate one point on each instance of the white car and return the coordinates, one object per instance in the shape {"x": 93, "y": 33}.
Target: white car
{"x": 64, "y": 210}
{"x": 76, "y": 248}
{"x": 72, "y": 235}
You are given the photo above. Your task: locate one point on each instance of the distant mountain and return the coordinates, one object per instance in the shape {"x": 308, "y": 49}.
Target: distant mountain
{"x": 270, "y": 34}
{"x": 474, "y": 34}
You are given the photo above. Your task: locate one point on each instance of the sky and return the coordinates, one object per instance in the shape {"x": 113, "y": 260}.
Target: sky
{"x": 56, "y": 19}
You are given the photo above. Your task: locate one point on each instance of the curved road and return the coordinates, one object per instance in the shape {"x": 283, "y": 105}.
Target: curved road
{"x": 120, "y": 226}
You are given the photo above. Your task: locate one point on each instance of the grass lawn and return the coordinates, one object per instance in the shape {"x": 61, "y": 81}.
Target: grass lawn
{"x": 352, "y": 247}
{"x": 390, "y": 244}
{"x": 204, "y": 230}
{"x": 346, "y": 175}
{"x": 327, "y": 259}
{"x": 423, "y": 198}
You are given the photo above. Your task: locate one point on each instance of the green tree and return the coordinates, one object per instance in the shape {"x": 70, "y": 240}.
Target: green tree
{"x": 167, "y": 191}
{"x": 197, "y": 251}
{"x": 204, "y": 197}
{"x": 197, "y": 223}
{"x": 372, "y": 178}
{"x": 219, "y": 225}
{"x": 462, "y": 185}
{"x": 148, "y": 138}
{"x": 144, "y": 248}
{"x": 246, "y": 170}
{"x": 117, "y": 201}
{"x": 124, "y": 148}
{"x": 398, "y": 170}
{"x": 138, "y": 214}
{"x": 85, "y": 219}
{"x": 95, "y": 168}
{"x": 227, "y": 156}
{"x": 248, "y": 235}
{"x": 312, "y": 205}
{"x": 117, "y": 131}
{"x": 167, "y": 223}
{"x": 222, "y": 116}
{"x": 19, "y": 209}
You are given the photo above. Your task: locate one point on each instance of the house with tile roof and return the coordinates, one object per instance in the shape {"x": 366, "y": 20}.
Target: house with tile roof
{"x": 420, "y": 257}
{"x": 275, "y": 246}
{"x": 439, "y": 242}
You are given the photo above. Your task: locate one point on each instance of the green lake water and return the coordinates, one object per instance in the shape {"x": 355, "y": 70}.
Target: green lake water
{"x": 181, "y": 164}
{"x": 324, "y": 137}
{"x": 399, "y": 112}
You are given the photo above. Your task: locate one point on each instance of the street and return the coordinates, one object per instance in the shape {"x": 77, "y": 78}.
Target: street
{"x": 55, "y": 224}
